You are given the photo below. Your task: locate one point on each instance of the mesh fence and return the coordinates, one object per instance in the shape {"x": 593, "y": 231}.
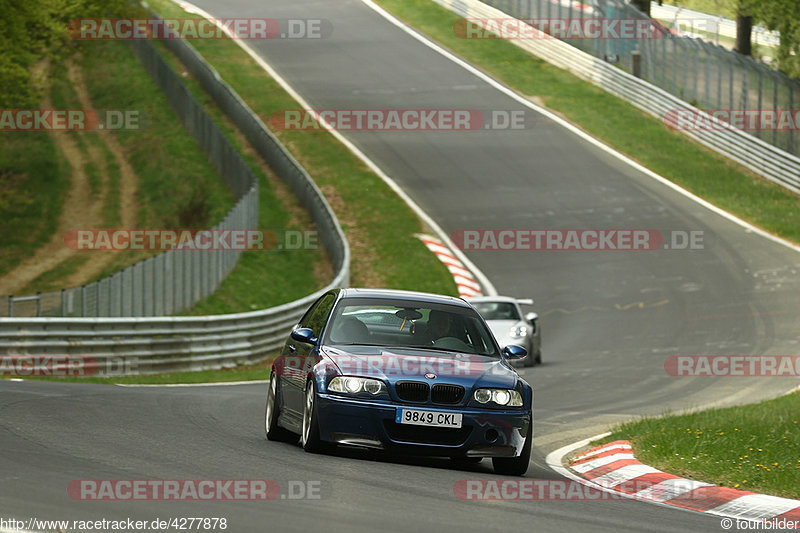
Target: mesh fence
{"x": 704, "y": 74}
{"x": 174, "y": 280}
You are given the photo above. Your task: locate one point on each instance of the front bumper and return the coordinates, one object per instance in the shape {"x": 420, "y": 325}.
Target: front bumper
{"x": 371, "y": 424}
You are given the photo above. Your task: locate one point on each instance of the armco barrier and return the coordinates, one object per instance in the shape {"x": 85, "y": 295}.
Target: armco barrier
{"x": 149, "y": 345}
{"x": 764, "y": 159}
{"x": 152, "y": 345}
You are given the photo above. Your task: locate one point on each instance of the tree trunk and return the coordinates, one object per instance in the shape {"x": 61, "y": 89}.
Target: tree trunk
{"x": 642, "y": 5}
{"x": 744, "y": 29}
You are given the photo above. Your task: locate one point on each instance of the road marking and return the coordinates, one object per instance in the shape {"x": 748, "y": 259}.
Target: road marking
{"x": 467, "y": 285}
{"x": 574, "y": 129}
{"x": 488, "y": 287}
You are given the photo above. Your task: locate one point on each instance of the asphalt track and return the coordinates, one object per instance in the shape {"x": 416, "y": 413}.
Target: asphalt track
{"x": 609, "y": 319}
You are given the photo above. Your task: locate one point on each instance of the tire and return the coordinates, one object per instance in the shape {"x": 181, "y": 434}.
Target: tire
{"x": 515, "y": 466}
{"x": 271, "y": 414}
{"x": 309, "y": 438}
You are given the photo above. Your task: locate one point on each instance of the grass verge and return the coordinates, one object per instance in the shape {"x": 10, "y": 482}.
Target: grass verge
{"x": 750, "y": 447}
{"x": 617, "y": 123}
{"x": 379, "y": 226}
{"x": 259, "y": 371}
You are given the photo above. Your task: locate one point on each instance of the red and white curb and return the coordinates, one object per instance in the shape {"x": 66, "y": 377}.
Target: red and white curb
{"x": 468, "y": 286}
{"x": 613, "y": 467}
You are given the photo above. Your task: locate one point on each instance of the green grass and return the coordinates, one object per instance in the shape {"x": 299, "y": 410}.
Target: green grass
{"x": 178, "y": 188}
{"x": 33, "y": 179}
{"x": 617, "y": 123}
{"x": 379, "y": 226}
{"x": 255, "y": 372}
{"x": 752, "y": 447}
{"x": 725, "y": 8}
{"x": 261, "y": 278}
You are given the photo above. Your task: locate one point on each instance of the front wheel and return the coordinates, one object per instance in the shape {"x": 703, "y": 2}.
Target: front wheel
{"x": 309, "y": 439}
{"x": 271, "y": 428}
{"x": 515, "y": 466}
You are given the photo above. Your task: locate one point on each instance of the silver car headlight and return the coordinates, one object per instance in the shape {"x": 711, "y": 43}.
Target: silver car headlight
{"x": 356, "y": 384}
{"x": 518, "y": 332}
{"x": 508, "y": 397}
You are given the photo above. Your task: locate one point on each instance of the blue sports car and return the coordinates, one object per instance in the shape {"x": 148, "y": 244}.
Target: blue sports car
{"x": 405, "y": 372}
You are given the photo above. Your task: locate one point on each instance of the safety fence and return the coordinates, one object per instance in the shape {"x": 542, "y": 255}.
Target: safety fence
{"x": 776, "y": 164}
{"x": 147, "y": 345}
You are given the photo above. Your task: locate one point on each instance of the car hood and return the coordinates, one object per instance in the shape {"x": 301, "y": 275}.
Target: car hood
{"x": 399, "y": 364}
{"x": 500, "y": 329}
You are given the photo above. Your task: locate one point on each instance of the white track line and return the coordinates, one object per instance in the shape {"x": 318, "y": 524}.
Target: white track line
{"x": 580, "y": 133}
{"x": 215, "y": 384}
{"x": 488, "y": 287}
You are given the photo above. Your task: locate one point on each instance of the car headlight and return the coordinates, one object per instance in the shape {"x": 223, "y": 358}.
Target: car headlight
{"x": 506, "y": 397}
{"x": 355, "y": 385}
{"x": 518, "y": 332}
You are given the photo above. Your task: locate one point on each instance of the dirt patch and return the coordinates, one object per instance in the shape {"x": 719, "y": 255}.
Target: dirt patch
{"x": 81, "y": 208}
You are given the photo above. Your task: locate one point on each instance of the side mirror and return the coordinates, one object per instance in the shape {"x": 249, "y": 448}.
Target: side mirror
{"x": 305, "y": 335}
{"x": 531, "y": 317}
{"x": 514, "y": 351}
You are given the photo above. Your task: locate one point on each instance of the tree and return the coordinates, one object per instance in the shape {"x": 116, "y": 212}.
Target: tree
{"x": 782, "y": 16}
{"x": 744, "y": 28}
{"x": 36, "y": 29}
{"x": 642, "y": 5}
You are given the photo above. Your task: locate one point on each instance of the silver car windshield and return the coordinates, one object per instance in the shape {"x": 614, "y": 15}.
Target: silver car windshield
{"x": 395, "y": 323}
{"x": 497, "y": 310}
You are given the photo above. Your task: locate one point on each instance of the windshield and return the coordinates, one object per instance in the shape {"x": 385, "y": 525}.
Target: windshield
{"x": 409, "y": 324}
{"x": 497, "y": 310}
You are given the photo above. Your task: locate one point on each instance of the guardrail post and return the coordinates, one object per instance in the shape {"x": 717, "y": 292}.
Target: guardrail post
{"x": 83, "y": 300}
{"x": 10, "y": 305}
{"x": 38, "y": 304}
{"x": 636, "y": 63}
{"x": 63, "y": 303}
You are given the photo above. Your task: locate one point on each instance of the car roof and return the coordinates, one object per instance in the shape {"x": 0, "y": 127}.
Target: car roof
{"x": 394, "y": 294}
{"x": 507, "y": 299}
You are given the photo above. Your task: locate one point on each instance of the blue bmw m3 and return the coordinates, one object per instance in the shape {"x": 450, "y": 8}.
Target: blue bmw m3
{"x": 405, "y": 372}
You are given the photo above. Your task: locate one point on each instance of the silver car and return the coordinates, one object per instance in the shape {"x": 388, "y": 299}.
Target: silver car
{"x": 505, "y": 319}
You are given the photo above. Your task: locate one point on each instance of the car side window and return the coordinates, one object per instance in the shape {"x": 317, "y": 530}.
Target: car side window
{"x": 316, "y": 317}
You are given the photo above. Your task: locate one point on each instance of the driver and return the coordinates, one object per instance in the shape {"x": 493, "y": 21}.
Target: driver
{"x": 439, "y": 323}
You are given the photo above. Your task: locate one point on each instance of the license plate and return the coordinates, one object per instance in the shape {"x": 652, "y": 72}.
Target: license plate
{"x": 417, "y": 417}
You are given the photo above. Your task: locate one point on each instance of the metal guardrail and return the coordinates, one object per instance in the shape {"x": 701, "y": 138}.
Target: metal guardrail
{"x": 694, "y": 70}
{"x": 766, "y": 160}
{"x": 152, "y": 345}
{"x": 174, "y": 280}
{"x": 687, "y": 20}
{"x": 137, "y": 346}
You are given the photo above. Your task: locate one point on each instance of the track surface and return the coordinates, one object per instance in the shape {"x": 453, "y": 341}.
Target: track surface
{"x": 609, "y": 318}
